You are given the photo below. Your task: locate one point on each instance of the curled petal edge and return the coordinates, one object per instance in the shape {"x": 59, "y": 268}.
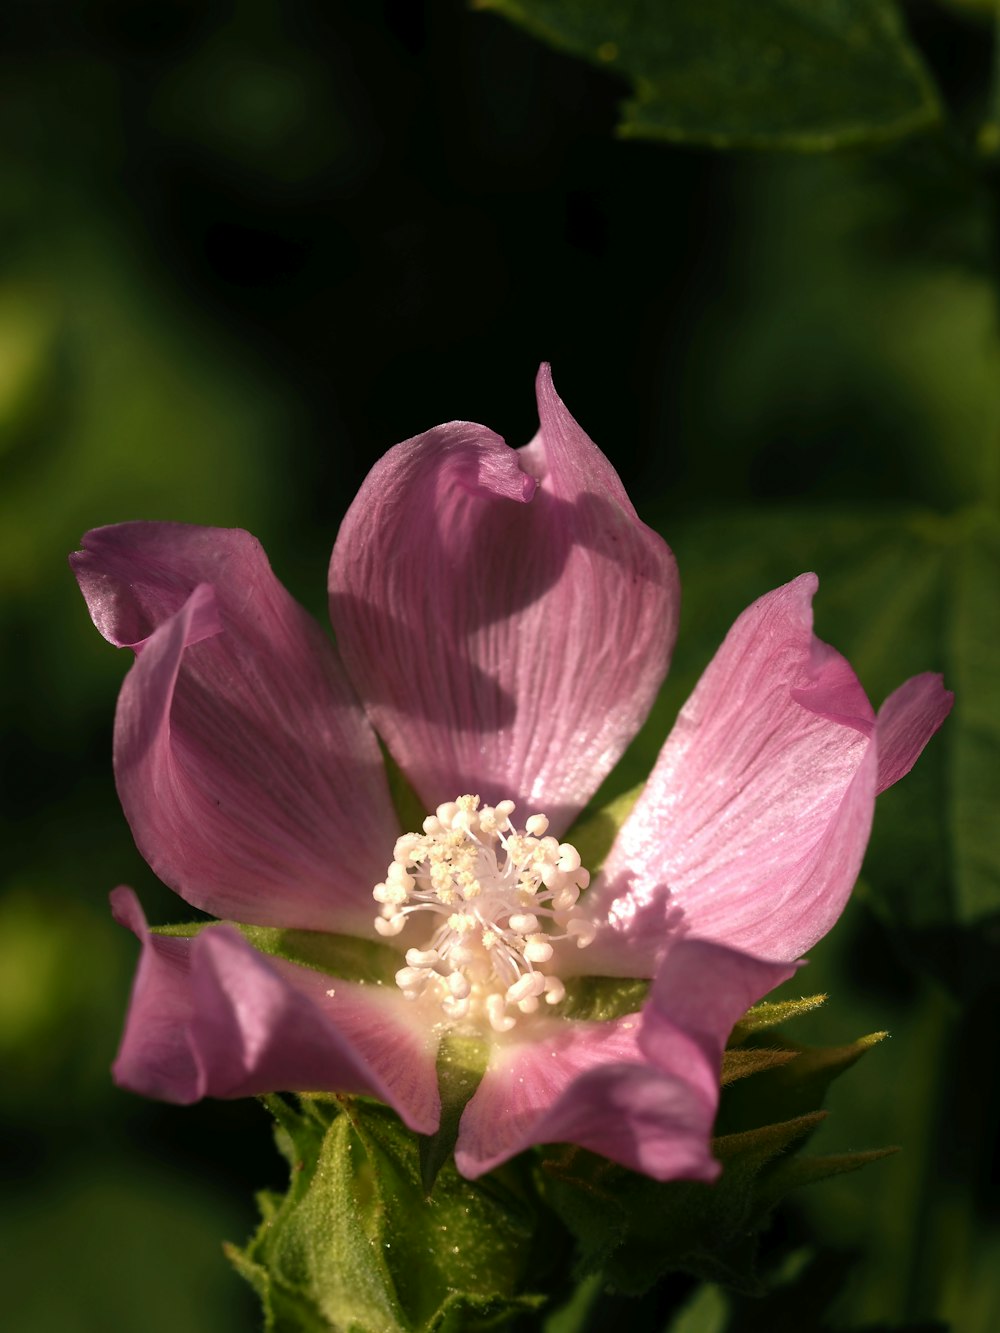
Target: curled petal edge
{"x": 210, "y": 1016}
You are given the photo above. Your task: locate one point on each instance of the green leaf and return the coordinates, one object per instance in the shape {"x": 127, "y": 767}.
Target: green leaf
{"x": 357, "y": 1244}
{"x": 802, "y": 74}
{"x": 900, "y": 593}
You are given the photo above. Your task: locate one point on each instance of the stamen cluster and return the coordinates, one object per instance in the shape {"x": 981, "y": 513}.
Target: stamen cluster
{"x": 490, "y": 887}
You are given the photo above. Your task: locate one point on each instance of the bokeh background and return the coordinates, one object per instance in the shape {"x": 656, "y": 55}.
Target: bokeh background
{"x": 246, "y": 247}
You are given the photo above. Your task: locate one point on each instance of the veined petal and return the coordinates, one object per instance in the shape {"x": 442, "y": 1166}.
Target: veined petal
{"x": 906, "y": 722}
{"x": 245, "y": 765}
{"x": 700, "y": 992}
{"x": 212, "y": 1017}
{"x": 642, "y": 1090}
{"x": 757, "y": 813}
{"x": 155, "y": 1057}
{"x": 504, "y": 614}
{"x": 588, "y": 1084}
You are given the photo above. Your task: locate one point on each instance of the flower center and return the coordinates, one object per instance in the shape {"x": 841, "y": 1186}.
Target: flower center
{"x": 488, "y": 888}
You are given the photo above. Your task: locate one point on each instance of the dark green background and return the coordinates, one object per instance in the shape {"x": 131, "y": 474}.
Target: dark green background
{"x": 245, "y": 249}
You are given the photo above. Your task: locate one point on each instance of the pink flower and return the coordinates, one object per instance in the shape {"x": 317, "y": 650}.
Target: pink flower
{"x": 504, "y": 621}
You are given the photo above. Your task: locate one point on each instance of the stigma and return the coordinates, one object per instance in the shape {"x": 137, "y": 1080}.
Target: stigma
{"x": 495, "y": 900}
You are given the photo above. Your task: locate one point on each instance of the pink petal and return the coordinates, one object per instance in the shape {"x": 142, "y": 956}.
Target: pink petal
{"x": 246, "y": 768}
{"x": 906, "y": 722}
{"x": 588, "y": 1084}
{"x": 699, "y": 994}
{"x": 757, "y": 813}
{"x": 155, "y": 1056}
{"x": 642, "y": 1090}
{"x": 504, "y": 614}
{"x": 212, "y": 1017}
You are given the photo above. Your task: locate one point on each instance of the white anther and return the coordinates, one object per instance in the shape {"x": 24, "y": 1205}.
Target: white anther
{"x": 569, "y": 857}
{"x": 505, "y": 809}
{"x": 583, "y": 930}
{"x": 499, "y": 1021}
{"x": 412, "y": 978}
{"x": 390, "y": 926}
{"x": 390, "y": 893}
{"x": 555, "y": 991}
{"x": 525, "y": 923}
{"x": 536, "y": 825}
{"x": 396, "y": 877}
{"x": 565, "y": 898}
{"x": 532, "y": 983}
{"x": 423, "y": 957}
{"x": 459, "y": 985}
{"x": 528, "y": 1006}
{"x": 538, "y": 950}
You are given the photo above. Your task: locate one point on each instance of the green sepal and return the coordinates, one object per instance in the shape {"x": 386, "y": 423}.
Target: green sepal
{"x": 596, "y": 829}
{"x": 737, "y": 1064}
{"x": 798, "y": 1171}
{"x": 461, "y": 1063}
{"x": 409, "y": 808}
{"x": 358, "y": 1245}
{"x": 808, "y": 1077}
{"x": 770, "y": 1014}
{"x": 790, "y": 1086}
{"x": 752, "y": 1148}
{"x": 343, "y": 956}
{"x": 633, "y": 1231}
{"x": 599, "y": 999}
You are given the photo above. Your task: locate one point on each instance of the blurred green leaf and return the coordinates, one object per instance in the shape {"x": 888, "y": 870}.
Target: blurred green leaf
{"x": 974, "y": 633}
{"x": 115, "y": 1243}
{"x": 907, "y": 592}
{"x": 802, "y": 74}
{"x": 706, "y": 1312}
